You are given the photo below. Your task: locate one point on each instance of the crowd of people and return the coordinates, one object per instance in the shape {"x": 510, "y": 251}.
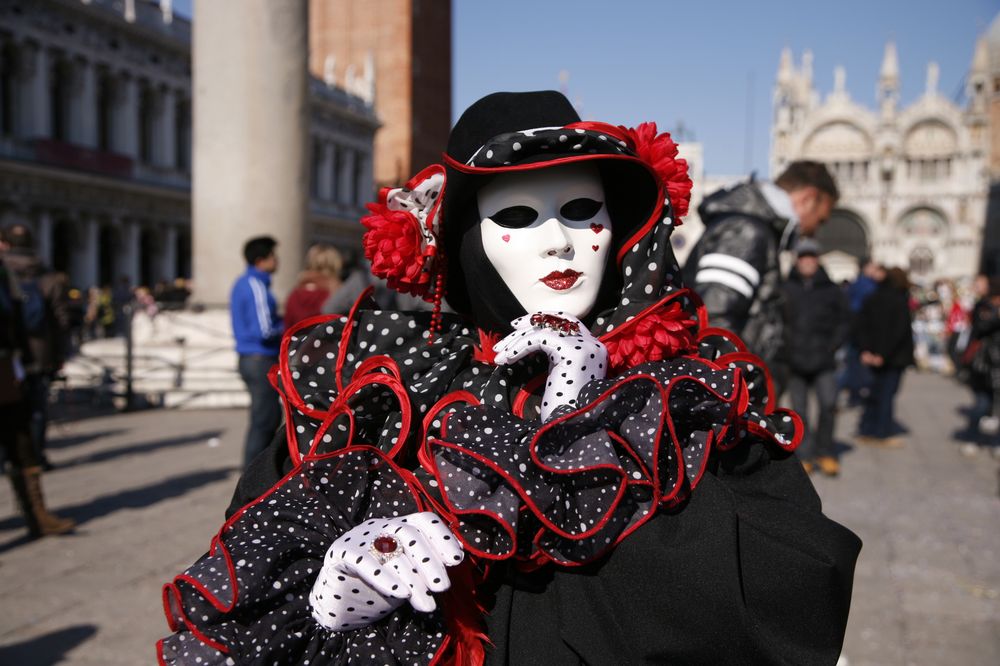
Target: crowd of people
{"x": 43, "y": 322}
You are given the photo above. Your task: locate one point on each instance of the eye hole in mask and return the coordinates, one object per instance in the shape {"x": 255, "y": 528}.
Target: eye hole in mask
{"x": 515, "y": 217}
{"x": 580, "y": 209}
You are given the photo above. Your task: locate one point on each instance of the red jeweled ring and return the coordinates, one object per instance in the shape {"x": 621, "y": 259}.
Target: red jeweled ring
{"x": 556, "y": 323}
{"x": 385, "y": 547}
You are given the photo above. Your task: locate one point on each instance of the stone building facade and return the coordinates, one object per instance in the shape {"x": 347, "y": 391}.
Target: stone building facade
{"x": 396, "y": 53}
{"x": 96, "y": 140}
{"x": 913, "y": 180}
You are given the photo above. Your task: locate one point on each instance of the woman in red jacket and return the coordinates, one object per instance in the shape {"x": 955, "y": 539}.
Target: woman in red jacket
{"x": 318, "y": 281}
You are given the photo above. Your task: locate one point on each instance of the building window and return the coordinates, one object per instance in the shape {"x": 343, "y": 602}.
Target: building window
{"x": 315, "y": 167}
{"x": 182, "y": 137}
{"x": 147, "y": 109}
{"x": 59, "y": 99}
{"x": 357, "y": 197}
{"x": 8, "y": 89}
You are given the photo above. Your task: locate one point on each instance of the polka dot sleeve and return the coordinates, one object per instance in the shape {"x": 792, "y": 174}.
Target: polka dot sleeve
{"x": 247, "y": 600}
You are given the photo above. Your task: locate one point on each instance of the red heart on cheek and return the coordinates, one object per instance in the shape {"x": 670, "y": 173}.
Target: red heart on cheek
{"x": 595, "y": 248}
{"x": 596, "y": 228}
{"x": 506, "y": 238}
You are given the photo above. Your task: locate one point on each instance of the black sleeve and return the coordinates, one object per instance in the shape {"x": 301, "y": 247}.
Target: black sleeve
{"x": 729, "y": 270}
{"x": 262, "y": 473}
{"x": 844, "y": 321}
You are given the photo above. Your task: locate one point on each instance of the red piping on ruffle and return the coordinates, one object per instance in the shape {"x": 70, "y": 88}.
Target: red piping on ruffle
{"x": 172, "y": 591}
{"x": 366, "y": 374}
{"x": 736, "y": 399}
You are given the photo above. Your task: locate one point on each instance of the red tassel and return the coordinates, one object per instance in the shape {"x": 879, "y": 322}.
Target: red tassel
{"x": 464, "y": 618}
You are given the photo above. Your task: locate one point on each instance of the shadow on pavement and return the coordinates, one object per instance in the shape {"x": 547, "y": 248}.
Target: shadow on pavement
{"x": 136, "y": 498}
{"x": 82, "y": 438}
{"x": 144, "y": 447}
{"x": 47, "y": 649}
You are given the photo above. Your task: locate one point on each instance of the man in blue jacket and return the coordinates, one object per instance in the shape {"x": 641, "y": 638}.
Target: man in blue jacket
{"x": 258, "y": 329}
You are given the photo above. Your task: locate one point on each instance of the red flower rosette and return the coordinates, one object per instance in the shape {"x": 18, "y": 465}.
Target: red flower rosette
{"x": 663, "y": 334}
{"x": 402, "y": 238}
{"x": 395, "y": 247}
{"x": 660, "y": 152}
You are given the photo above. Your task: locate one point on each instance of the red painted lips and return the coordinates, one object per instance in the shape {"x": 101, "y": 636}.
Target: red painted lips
{"x": 561, "y": 280}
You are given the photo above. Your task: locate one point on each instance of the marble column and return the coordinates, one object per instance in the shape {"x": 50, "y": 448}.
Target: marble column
{"x": 43, "y": 237}
{"x": 251, "y": 171}
{"x": 83, "y": 113}
{"x": 168, "y": 258}
{"x": 346, "y": 188}
{"x": 126, "y": 117}
{"x": 324, "y": 175}
{"x": 165, "y": 154}
{"x": 128, "y": 260}
{"x": 85, "y": 254}
{"x": 366, "y": 182}
{"x": 34, "y": 116}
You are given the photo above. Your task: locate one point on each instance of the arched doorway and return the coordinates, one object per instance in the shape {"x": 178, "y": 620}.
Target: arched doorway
{"x": 844, "y": 232}
{"x": 924, "y": 230}
{"x": 149, "y": 254}
{"x": 64, "y": 241}
{"x": 183, "y": 256}
{"x": 108, "y": 249}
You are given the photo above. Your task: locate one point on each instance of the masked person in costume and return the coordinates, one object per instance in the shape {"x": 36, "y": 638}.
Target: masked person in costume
{"x": 573, "y": 469}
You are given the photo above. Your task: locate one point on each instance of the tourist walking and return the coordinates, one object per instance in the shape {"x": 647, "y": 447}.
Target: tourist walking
{"x": 885, "y": 337}
{"x": 819, "y": 324}
{"x": 855, "y": 377}
{"x": 257, "y": 329}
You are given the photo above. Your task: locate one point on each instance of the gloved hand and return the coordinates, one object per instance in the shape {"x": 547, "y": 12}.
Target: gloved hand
{"x": 575, "y": 356}
{"x": 379, "y": 565}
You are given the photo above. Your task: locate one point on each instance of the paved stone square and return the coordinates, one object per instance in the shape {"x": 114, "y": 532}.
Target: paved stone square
{"x": 149, "y": 490}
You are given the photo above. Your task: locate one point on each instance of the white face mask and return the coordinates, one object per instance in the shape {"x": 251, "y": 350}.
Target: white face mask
{"x": 548, "y": 234}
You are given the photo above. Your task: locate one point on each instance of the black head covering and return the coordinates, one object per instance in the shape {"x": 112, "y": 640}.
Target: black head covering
{"x": 492, "y": 136}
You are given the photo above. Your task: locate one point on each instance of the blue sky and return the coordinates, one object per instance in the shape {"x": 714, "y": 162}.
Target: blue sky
{"x": 691, "y": 61}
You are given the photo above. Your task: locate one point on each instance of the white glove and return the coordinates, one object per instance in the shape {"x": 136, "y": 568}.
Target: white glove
{"x": 377, "y": 566}
{"x": 575, "y": 356}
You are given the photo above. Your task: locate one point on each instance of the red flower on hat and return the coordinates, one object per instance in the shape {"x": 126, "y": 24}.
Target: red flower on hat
{"x": 661, "y": 334}
{"x": 396, "y": 249}
{"x": 660, "y": 152}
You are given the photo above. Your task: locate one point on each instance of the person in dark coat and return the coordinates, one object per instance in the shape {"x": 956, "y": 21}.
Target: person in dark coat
{"x": 45, "y": 309}
{"x": 885, "y": 337}
{"x": 819, "y": 323}
{"x": 626, "y": 494}
{"x": 16, "y": 356}
{"x": 735, "y": 266}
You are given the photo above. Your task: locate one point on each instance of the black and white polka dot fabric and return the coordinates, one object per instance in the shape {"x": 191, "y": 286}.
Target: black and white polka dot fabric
{"x": 568, "y": 490}
{"x": 247, "y": 600}
{"x": 545, "y": 143}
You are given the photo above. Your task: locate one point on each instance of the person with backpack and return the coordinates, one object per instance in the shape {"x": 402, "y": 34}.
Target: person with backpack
{"x": 24, "y": 469}
{"x": 45, "y": 315}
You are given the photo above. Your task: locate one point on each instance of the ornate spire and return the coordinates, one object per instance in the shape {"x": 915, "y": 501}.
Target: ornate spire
{"x": 889, "y": 74}
{"x": 933, "y": 74}
{"x": 888, "y": 82}
{"x": 785, "y": 70}
{"x": 839, "y": 82}
{"x": 981, "y": 57}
